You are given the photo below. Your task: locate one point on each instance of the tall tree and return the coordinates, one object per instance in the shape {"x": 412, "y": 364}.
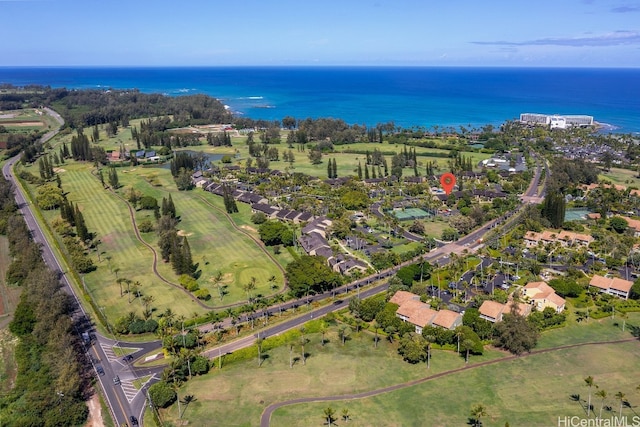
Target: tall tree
{"x": 589, "y": 383}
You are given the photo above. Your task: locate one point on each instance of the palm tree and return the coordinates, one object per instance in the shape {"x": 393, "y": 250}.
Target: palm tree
{"x": 323, "y": 330}
{"x": 147, "y": 300}
{"x": 345, "y": 415}
{"x": 589, "y": 383}
{"x": 328, "y": 415}
{"x": 128, "y": 282}
{"x": 430, "y": 340}
{"x": 120, "y": 281}
{"x": 303, "y": 341}
{"x": 622, "y": 398}
{"x": 189, "y": 398}
{"x": 259, "y": 342}
{"x": 477, "y": 412}
{"x": 343, "y": 333}
{"x": 602, "y": 394}
{"x": 467, "y": 345}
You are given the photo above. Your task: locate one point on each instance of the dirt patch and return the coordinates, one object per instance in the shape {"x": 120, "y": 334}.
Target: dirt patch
{"x": 183, "y": 233}
{"x": 20, "y": 124}
{"x": 59, "y": 170}
{"x": 248, "y": 228}
{"x": 95, "y": 412}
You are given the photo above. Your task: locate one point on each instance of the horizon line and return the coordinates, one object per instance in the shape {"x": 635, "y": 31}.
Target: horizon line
{"x": 529, "y": 66}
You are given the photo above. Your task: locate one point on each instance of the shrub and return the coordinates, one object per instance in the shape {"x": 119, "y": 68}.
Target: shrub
{"x": 162, "y": 395}
{"x": 146, "y": 226}
{"x": 150, "y": 325}
{"x": 258, "y": 218}
{"x": 202, "y": 294}
{"x": 200, "y": 365}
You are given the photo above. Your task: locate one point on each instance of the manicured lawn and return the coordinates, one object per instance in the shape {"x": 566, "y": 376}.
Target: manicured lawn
{"x": 530, "y": 391}
{"x": 215, "y": 245}
{"x": 238, "y": 394}
{"x": 624, "y": 177}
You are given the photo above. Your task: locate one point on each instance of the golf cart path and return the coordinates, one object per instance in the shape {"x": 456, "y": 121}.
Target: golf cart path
{"x": 265, "y": 418}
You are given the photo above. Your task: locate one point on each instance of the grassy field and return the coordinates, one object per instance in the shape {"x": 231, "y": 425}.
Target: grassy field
{"x": 531, "y": 391}
{"x": 528, "y": 391}
{"x": 618, "y": 176}
{"x": 237, "y": 395}
{"x": 215, "y": 245}
{"x": 23, "y": 121}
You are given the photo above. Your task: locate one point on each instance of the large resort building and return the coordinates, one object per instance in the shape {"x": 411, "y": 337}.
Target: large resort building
{"x": 556, "y": 121}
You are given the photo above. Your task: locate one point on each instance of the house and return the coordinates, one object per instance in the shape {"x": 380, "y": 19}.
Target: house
{"x": 542, "y": 296}
{"x": 312, "y": 242}
{"x": 400, "y": 297}
{"x": 447, "y": 319}
{"x": 634, "y": 225}
{"x": 564, "y": 238}
{"x": 493, "y": 310}
{"x": 419, "y": 314}
{"x": 350, "y": 264}
{"x": 612, "y": 285}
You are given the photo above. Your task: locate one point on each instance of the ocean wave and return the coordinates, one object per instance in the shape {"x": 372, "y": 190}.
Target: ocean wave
{"x": 606, "y": 126}
{"x": 253, "y": 98}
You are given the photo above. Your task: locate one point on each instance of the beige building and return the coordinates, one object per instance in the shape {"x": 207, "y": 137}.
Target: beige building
{"x": 419, "y": 314}
{"x": 541, "y": 296}
{"x": 612, "y": 286}
{"x": 493, "y": 310}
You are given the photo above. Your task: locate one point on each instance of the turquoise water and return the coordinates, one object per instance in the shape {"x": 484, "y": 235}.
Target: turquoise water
{"x": 426, "y": 97}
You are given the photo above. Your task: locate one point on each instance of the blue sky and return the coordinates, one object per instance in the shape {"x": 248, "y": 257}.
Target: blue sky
{"x": 554, "y": 33}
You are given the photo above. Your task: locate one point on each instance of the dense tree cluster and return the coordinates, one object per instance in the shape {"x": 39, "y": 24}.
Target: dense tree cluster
{"x": 48, "y": 390}
{"x": 311, "y": 274}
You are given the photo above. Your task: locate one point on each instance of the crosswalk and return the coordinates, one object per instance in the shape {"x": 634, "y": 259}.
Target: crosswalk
{"x": 129, "y": 390}
{"x": 108, "y": 351}
{"x": 127, "y": 384}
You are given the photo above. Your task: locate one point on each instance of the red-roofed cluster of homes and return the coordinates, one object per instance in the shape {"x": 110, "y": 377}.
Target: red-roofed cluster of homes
{"x": 565, "y": 238}
{"x": 419, "y": 314}
{"x": 537, "y": 294}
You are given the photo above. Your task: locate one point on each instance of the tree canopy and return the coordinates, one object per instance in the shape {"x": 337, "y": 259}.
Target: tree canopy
{"x": 311, "y": 274}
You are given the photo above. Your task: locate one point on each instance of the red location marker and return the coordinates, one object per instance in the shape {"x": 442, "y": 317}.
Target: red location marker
{"x": 448, "y": 181}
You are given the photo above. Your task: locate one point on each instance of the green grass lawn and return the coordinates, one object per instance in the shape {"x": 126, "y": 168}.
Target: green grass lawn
{"x": 528, "y": 391}
{"x": 215, "y": 245}
{"x": 618, "y": 176}
{"x": 238, "y": 394}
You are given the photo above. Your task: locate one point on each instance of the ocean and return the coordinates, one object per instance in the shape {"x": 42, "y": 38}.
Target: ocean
{"x": 425, "y": 97}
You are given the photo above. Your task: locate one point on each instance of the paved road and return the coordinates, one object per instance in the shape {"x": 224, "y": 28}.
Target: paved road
{"x": 97, "y": 350}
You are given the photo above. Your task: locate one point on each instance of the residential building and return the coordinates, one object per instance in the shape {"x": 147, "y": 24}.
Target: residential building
{"x": 419, "y": 314}
{"x": 541, "y": 296}
{"x": 493, "y": 310}
{"x": 612, "y": 285}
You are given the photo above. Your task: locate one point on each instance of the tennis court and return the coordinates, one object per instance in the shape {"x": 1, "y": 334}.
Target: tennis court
{"x": 576, "y": 214}
{"x": 410, "y": 214}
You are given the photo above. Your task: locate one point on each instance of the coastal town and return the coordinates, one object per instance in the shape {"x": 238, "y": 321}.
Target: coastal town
{"x": 223, "y": 256}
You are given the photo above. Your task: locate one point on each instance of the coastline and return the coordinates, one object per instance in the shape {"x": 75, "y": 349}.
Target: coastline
{"x": 408, "y": 96}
